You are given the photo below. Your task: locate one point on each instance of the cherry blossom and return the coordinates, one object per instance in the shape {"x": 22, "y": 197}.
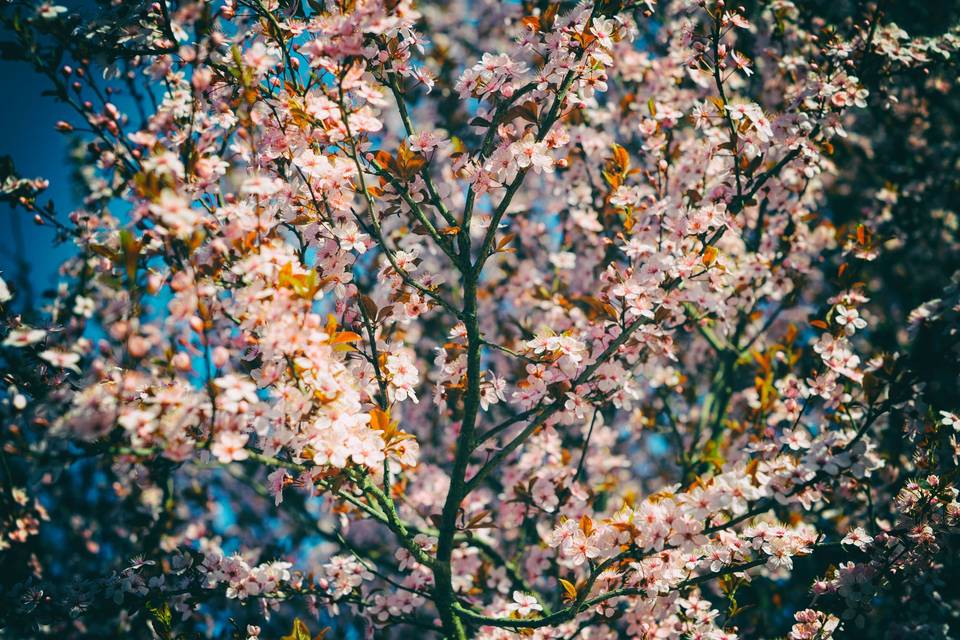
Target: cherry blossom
{"x": 478, "y": 320}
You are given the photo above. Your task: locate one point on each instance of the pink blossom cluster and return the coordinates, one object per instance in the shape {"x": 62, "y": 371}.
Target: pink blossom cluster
{"x": 478, "y": 319}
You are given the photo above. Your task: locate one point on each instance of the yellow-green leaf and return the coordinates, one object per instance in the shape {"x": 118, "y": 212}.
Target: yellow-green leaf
{"x": 569, "y": 590}
{"x": 299, "y": 632}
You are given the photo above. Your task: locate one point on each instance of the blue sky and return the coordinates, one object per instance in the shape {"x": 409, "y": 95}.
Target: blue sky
{"x": 37, "y": 150}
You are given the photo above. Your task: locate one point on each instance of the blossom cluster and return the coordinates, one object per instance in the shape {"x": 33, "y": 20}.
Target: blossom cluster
{"x": 478, "y": 319}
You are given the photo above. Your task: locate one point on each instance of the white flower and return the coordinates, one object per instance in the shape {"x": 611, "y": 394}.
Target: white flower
{"x": 49, "y": 11}
{"x": 23, "y": 337}
{"x": 849, "y": 319}
{"x": 524, "y": 604}
{"x": 4, "y": 292}
{"x": 62, "y": 359}
{"x": 84, "y": 306}
{"x": 950, "y": 420}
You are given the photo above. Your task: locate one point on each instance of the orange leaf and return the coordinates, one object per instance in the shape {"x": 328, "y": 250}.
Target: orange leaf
{"x": 612, "y": 179}
{"x": 751, "y": 470}
{"x": 532, "y": 22}
{"x": 621, "y": 157}
{"x": 548, "y": 16}
{"x": 379, "y": 419}
{"x": 384, "y": 159}
{"x": 586, "y": 524}
{"x": 345, "y": 337}
{"x": 762, "y": 360}
{"x": 505, "y": 240}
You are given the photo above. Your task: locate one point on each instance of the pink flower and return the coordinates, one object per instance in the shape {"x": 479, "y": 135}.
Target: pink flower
{"x": 545, "y": 495}
{"x": 403, "y": 376}
{"x": 813, "y": 625}
{"x": 277, "y": 481}
{"x": 261, "y": 185}
{"x": 530, "y": 153}
{"x": 350, "y": 237}
{"x": 315, "y": 165}
{"x": 580, "y": 548}
{"x": 425, "y": 141}
{"x": 175, "y": 214}
{"x": 858, "y": 538}
{"x": 742, "y": 63}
